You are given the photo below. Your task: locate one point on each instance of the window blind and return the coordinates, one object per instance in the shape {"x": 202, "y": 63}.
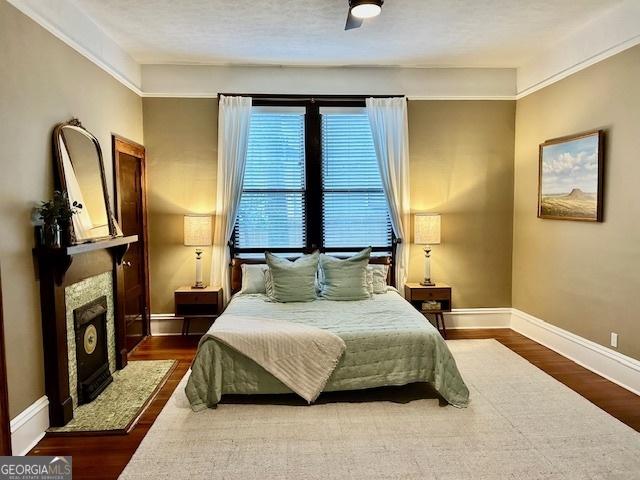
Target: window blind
{"x": 272, "y": 206}
{"x": 355, "y": 211}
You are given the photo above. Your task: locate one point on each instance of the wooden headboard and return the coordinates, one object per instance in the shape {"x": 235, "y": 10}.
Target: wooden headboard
{"x": 236, "y": 269}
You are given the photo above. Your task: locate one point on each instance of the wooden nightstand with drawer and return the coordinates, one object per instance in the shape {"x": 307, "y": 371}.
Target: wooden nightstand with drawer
{"x": 193, "y": 303}
{"x": 416, "y": 294}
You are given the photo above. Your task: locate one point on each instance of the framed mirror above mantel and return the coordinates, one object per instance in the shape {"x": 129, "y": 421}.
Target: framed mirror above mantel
{"x": 80, "y": 173}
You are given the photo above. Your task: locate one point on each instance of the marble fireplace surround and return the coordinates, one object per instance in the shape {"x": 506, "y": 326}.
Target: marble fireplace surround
{"x": 77, "y": 295}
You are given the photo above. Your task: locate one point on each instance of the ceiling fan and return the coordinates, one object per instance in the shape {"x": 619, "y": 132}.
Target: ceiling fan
{"x": 361, "y": 9}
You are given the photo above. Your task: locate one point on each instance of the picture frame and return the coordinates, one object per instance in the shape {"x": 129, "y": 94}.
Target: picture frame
{"x": 570, "y": 177}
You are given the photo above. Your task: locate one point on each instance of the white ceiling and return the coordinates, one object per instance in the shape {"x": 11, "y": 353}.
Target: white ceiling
{"x": 472, "y": 33}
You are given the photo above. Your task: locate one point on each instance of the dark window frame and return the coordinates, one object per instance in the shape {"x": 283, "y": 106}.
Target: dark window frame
{"x": 313, "y": 168}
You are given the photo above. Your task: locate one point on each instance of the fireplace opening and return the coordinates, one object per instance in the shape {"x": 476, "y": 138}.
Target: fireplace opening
{"x": 92, "y": 356}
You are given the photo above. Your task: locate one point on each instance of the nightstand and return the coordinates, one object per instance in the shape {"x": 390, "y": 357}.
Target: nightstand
{"x": 416, "y": 294}
{"x": 197, "y": 303}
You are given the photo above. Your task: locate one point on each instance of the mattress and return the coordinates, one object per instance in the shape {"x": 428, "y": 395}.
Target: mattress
{"x": 387, "y": 342}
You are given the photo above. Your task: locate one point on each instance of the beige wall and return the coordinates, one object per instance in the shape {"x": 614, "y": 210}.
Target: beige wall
{"x": 461, "y": 164}
{"x": 583, "y": 277}
{"x": 462, "y": 167}
{"x": 42, "y": 82}
{"x": 181, "y": 138}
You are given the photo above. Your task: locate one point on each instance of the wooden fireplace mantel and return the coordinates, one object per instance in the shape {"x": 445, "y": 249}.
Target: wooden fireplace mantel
{"x": 59, "y": 268}
{"x": 63, "y": 256}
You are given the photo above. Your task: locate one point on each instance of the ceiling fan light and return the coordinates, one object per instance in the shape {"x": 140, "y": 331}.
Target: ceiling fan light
{"x": 366, "y": 9}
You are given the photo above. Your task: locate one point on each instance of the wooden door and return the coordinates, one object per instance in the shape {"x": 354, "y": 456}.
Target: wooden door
{"x": 131, "y": 207}
{"x": 5, "y": 432}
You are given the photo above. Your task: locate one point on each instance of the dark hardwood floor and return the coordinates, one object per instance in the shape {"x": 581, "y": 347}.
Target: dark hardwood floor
{"x": 611, "y": 398}
{"x": 105, "y": 456}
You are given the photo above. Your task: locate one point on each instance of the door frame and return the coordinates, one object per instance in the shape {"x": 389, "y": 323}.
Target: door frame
{"x": 5, "y": 426}
{"x": 120, "y": 144}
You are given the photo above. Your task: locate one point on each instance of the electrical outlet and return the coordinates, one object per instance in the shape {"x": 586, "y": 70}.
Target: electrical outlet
{"x": 614, "y": 340}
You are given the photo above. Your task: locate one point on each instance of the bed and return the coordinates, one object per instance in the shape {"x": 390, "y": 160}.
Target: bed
{"x": 388, "y": 343}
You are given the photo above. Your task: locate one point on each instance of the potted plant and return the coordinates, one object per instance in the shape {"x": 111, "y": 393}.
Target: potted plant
{"x": 56, "y": 215}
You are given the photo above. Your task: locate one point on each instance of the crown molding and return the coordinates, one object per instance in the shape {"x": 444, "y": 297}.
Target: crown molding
{"x": 462, "y": 97}
{"x": 611, "y": 33}
{"x": 409, "y": 97}
{"x": 68, "y": 23}
{"x": 614, "y": 31}
{"x": 579, "y": 66}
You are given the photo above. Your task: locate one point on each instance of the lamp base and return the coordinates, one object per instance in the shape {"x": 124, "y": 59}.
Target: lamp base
{"x": 426, "y": 282}
{"x": 199, "y": 283}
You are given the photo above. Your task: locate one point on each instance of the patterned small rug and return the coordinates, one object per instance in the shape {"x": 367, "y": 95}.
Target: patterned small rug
{"x": 122, "y": 402}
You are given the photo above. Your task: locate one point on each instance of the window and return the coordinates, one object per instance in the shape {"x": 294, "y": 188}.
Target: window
{"x": 354, "y": 205}
{"x": 272, "y": 206}
{"x": 311, "y": 181}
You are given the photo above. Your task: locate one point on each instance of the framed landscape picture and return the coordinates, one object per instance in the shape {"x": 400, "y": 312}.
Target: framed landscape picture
{"x": 570, "y": 177}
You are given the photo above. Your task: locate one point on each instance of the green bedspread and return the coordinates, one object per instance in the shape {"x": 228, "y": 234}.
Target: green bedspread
{"x": 388, "y": 343}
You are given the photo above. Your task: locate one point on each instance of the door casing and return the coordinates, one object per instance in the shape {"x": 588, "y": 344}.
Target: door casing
{"x": 119, "y": 145}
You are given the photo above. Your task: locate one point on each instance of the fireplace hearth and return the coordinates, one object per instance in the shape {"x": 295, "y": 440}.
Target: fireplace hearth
{"x": 92, "y": 355}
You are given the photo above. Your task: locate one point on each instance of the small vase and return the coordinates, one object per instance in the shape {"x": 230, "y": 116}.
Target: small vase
{"x": 39, "y": 235}
{"x": 65, "y": 232}
{"x": 52, "y": 235}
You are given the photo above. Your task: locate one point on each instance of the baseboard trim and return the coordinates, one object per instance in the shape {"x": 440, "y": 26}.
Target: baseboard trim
{"x": 28, "y": 428}
{"x": 468, "y": 318}
{"x": 168, "y": 324}
{"x": 614, "y": 366}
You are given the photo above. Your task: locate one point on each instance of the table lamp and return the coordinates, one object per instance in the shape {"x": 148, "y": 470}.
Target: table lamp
{"x": 197, "y": 233}
{"x": 426, "y": 230}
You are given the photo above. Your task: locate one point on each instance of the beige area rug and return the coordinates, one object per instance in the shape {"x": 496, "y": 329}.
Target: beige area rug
{"x": 521, "y": 424}
{"x": 121, "y": 403}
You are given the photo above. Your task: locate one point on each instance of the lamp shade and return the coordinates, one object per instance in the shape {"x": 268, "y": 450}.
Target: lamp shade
{"x": 197, "y": 230}
{"x": 426, "y": 228}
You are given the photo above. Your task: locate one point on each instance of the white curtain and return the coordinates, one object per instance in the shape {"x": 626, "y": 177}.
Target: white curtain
{"x": 389, "y": 126}
{"x": 234, "y": 117}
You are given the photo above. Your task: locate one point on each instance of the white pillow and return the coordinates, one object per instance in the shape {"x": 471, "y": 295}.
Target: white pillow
{"x": 377, "y": 278}
{"x": 253, "y": 278}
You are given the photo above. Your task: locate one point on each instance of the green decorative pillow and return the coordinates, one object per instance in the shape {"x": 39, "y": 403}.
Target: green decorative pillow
{"x": 291, "y": 281}
{"x": 345, "y": 279}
